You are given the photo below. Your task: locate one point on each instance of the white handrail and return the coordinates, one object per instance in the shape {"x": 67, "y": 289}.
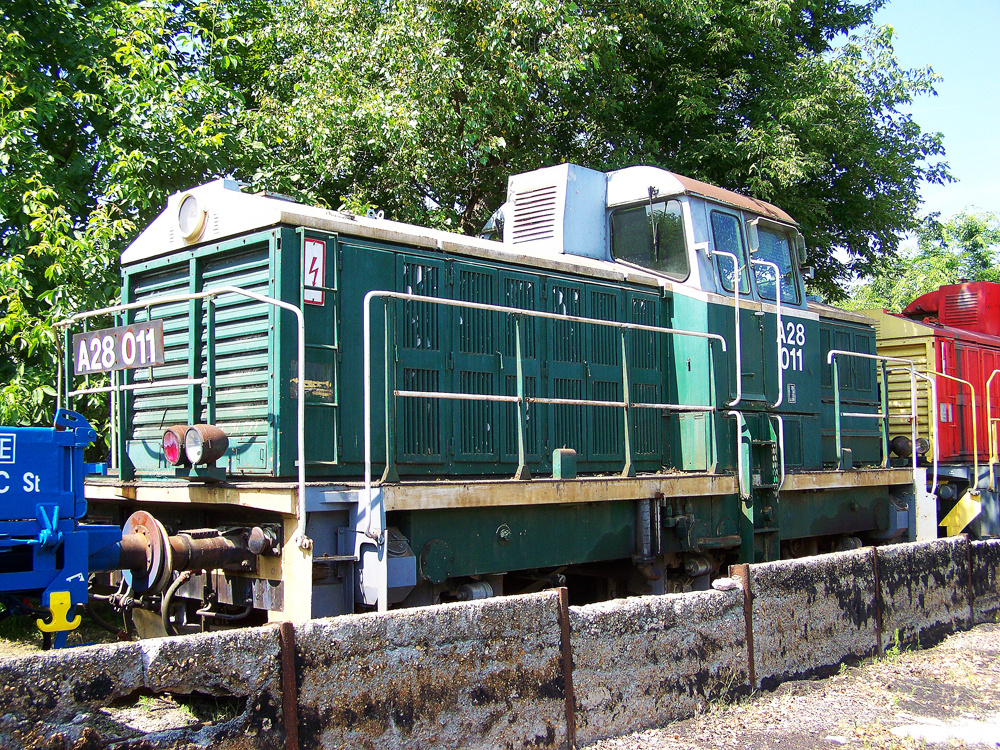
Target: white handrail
{"x": 736, "y": 305}
{"x": 932, "y": 407}
{"x": 912, "y": 416}
{"x": 379, "y": 537}
{"x": 777, "y": 302}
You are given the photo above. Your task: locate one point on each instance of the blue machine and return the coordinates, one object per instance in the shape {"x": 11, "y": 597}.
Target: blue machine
{"x": 44, "y": 548}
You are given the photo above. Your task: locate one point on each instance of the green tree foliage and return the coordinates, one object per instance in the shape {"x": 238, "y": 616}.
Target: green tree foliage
{"x": 105, "y": 107}
{"x": 963, "y": 248}
{"x": 424, "y": 108}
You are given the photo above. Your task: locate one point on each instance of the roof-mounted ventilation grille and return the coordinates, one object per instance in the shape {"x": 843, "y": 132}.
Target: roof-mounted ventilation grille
{"x": 557, "y": 211}
{"x": 535, "y": 214}
{"x": 962, "y": 309}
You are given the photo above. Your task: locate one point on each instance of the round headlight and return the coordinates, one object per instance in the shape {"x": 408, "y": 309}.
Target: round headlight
{"x": 191, "y": 218}
{"x": 173, "y": 443}
{"x": 205, "y": 444}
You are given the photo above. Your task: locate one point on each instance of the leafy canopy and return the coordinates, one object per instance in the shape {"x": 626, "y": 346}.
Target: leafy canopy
{"x": 106, "y": 106}
{"x": 963, "y": 248}
{"x": 425, "y": 108}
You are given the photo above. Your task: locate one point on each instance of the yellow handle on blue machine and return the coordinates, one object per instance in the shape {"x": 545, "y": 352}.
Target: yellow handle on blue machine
{"x": 60, "y": 603}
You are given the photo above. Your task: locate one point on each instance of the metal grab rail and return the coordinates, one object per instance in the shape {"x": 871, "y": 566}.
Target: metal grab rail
{"x": 991, "y": 423}
{"x": 932, "y": 407}
{"x": 736, "y": 307}
{"x": 975, "y": 444}
{"x": 883, "y": 415}
{"x": 300, "y": 537}
{"x": 780, "y": 336}
{"x": 521, "y": 398}
{"x": 753, "y": 237}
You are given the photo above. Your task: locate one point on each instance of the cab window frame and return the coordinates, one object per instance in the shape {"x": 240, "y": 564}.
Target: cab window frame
{"x": 743, "y": 254}
{"x": 666, "y": 203}
{"x": 778, "y": 229}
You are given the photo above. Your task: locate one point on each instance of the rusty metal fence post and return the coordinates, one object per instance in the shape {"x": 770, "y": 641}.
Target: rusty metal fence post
{"x": 567, "y": 666}
{"x": 742, "y": 572}
{"x": 289, "y": 688}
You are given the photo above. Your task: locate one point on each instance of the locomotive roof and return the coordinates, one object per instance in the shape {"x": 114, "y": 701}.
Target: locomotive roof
{"x": 629, "y": 184}
{"x": 905, "y": 327}
{"x": 231, "y": 212}
{"x": 839, "y": 313}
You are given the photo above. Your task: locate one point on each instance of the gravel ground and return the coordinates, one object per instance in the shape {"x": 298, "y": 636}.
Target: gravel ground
{"x": 947, "y": 696}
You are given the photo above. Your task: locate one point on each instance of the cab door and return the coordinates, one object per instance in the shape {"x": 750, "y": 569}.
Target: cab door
{"x": 729, "y": 239}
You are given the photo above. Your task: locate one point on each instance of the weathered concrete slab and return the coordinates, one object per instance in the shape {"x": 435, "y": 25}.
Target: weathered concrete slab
{"x": 986, "y": 580}
{"x": 925, "y": 590}
{"x": 230, "y": 663}
{"x": 57, "y": 685}
{"x": 489, "y": 674}
{"x": 642, "y": 662}
{"x": 50, "y": 695}
{"x": 484, "y": 674}
{"x": 811, "y": 614}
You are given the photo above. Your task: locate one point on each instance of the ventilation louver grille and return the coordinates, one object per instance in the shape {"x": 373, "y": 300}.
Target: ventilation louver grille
{"x": 535, "y": 214}
{"x": 961, "y": 310}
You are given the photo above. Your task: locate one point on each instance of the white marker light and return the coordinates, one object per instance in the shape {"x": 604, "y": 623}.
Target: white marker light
{"x": 205, "y": 444}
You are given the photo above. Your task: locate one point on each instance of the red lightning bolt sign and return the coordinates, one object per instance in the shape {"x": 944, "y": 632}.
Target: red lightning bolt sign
{"x": 315, "y": 262}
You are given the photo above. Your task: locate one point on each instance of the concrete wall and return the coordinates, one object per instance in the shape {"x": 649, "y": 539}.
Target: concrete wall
{"x": 645, "y": 661}
{"x": 47, "y": 694}
{"x": 491, "y": 673}
{"x": 808, "y": 617}
{"x": 925, "y": 590}
{"x": 486, "y": 674}
{"x": 985, "y": 565}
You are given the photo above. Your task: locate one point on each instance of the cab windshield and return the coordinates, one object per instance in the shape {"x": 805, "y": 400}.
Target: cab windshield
{"x": 651, "y": 236}
{"x": 775, "y": 248}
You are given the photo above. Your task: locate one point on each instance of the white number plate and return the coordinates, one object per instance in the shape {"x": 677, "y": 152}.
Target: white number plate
{"x": 121, "y": 348}
{"x": 793, "y": 339}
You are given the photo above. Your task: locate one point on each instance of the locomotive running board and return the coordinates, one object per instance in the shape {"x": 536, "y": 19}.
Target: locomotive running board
{"x": 481, "y": 493}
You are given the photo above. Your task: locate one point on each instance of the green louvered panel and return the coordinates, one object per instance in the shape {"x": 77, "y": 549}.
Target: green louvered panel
{"x": 604, "y": 375}
{"x": 242, "y": 357}
{"x": 420, "y": 423}
{"x": 646, "y": 422}
{"x": 477, "y": 362}
{"x": 521, "y": 291}
{"x": 423, "y": 339}
{"x": 532, "y": 426}
{"x": 153, "y": 411}
{"x": 242, "y": 351}
{"x": 566, "y": 426}
{"x": 477, "y": 424}
{"x": 645, "y": 350}
{"x": 606, "y": 438}
{"x": 567, "y": 369}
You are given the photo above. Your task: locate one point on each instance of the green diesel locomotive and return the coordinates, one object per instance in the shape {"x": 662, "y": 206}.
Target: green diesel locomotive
{"x": 621, "y": 387}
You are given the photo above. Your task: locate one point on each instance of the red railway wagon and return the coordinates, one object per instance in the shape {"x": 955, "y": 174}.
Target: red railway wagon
{"x": 953, "y": 336}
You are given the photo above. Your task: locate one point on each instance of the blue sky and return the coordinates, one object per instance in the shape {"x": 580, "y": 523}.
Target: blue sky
{"x": 959, "y": 40}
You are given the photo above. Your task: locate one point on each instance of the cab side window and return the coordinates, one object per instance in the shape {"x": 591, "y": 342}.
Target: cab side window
{"x": 651, "y": 237}
{"x": 728, "y": 238}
